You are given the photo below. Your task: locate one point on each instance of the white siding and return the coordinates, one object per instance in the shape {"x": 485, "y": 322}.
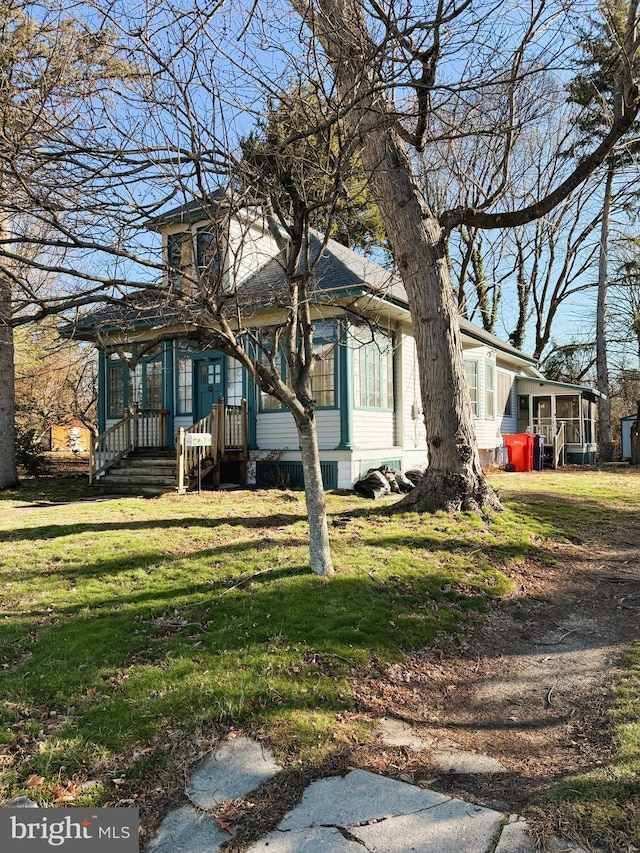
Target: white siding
{"x": 372, "y": 429}
{"x": 414, "y": 435}
{"x": 277, "y": 430}
{"x": 249, "y": 248}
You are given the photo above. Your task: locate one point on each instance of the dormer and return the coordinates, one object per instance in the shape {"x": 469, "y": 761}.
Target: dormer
{"x": 194, "y": 245}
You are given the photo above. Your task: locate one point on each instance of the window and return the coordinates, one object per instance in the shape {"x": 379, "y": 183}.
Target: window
{"x": 269, "y": 403}
{"x": 234, "y": 382}
{"x": 115, "y": 389}
{"x": 208, "y": 251}
{"x": 505, "y": 406}
{"x": 146, "y": 381}
{"x": 185, "y": 385}
{"x": 323, "y": 376}
{"x": 471, "y": 372}
{"x": 490, "y": 389}
{"x": 373, "y": 369}
{"x": 178, "y": 255}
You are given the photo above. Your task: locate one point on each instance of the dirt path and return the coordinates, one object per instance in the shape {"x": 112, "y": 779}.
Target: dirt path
{"x": 528, "y": 690}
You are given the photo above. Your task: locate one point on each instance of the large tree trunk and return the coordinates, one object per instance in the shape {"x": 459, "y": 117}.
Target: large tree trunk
{"x": 8, "y": 473}
{"x": 320, "y": 553}
{"x": 604, "y": 407}
{"x": 454, "y": 478}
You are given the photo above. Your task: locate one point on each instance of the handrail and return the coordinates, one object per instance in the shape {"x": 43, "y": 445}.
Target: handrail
{"x": 187, "y": 457}
{"x": 138, "y": 428}
{"x": 228, "y": 428}
{"x": 110, "y": 446}
{"x": 558, "y": 445}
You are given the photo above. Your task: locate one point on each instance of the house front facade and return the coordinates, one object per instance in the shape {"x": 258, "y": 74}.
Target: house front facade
{"x": 365, "y": 382}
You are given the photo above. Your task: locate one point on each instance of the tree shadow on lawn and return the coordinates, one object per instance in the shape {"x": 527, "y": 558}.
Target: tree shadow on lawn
{"x": 53, "y": 531}
{"x": 146, "y": 663}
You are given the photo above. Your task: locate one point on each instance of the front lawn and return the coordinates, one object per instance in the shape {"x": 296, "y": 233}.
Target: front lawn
{"x": 133, "y": 625}
{"x": 136, "y": 632}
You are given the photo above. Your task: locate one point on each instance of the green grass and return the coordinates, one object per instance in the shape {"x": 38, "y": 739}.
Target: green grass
{"x": 133, "y": 629}
{"x": 134, "y": 624}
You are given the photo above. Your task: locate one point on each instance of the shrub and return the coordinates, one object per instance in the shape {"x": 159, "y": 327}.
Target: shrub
{"x": 29, "y": 453}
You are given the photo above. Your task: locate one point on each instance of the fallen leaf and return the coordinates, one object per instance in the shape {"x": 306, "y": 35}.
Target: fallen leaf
{"x": 65, "y": 798}
{"x": 225, "y": 825}
{"x": 34, "y": 781}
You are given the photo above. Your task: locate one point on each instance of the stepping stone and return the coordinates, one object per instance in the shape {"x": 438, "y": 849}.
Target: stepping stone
{"x": 453, "y": 827}
{"x": 185, "y": 830}
{"x": 450, "y": 759}
{"x": 319, "y": 839}
{"x": 446, "y": 756}
{"x": 20, "y": 803}
{"x": 233, "y": 770}
{"x": 356, "y": 798}
{"x": 515, "y": 838}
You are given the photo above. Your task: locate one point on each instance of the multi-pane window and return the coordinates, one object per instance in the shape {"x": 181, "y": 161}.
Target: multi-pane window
{"x": 115, "y": 389}
{"x": 185, "y": 385}
{"x": 234, "y": 382}
{"x": 323, "y": 377}
{"x": 268, "y": 402}
{"x": 490, "y": 389}
{"x": 505, "y": 405}
{"x": 373, "y": 369}
{"x": 146, "y": 381}
{"x": 323, "y": 374}
{"x": 208, "y": 250}
{"x": 471, "y": 372}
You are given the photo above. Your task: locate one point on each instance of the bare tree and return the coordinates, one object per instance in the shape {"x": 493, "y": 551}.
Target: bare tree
{"x": 381, "y": 54}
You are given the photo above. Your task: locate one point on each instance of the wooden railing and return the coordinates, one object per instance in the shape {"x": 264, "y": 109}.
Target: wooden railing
{"x": 110, "y": 446}
{"x": 138, "y": 428}
{"x": 187, "y": 457}
{"x": 558, "y": 445}
{"x": 227, "y": 426}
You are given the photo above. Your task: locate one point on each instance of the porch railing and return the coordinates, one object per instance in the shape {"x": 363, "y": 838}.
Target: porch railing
{"x": 228, "y": 428}
{"x": 187, "y": 457}
{"x": 139, "y": 428}
{"x": 548, "y": 427}
{"x": 559, "y": 445}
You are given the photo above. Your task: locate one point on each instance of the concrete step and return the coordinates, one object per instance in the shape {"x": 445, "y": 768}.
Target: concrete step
{"x": 146, "y": 491}
{"x": 140, "y": 471}
{"x": 146, "y": 462}
{"x": 126, "y": 478}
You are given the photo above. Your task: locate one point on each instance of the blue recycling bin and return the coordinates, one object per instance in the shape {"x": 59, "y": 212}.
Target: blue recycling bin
{"x": 538, "y": 453}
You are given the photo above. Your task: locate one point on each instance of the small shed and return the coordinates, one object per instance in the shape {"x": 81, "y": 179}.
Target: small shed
{"x": 625, "y": 435}
{"x": 72, "y": 437}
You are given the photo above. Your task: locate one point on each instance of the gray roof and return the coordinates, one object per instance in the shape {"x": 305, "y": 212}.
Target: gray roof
{"x": 339, "y": 270}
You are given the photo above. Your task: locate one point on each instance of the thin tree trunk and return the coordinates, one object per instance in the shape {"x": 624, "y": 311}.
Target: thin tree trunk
{"x": 604, "y": 408}
{"x": 320, "y": 552}
{"x": 8, "y": 473}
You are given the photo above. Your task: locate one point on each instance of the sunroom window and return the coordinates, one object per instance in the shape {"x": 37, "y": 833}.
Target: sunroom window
{"x": 373, "y": 369}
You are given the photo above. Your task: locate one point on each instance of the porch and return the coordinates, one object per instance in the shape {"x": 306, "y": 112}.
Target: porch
{"x": 115, "y": 455}
{"x": 565, "y": 415}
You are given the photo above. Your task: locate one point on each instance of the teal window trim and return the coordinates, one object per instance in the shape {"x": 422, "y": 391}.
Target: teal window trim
{"x": 374, "y": 355}
{"x": 318, "y": 339}
{"x": 115, "y": 382}
{"x": 143, "y": 378}
{"x": 345, "y": 389}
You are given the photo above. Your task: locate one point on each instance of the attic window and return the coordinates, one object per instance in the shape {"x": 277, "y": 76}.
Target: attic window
{"x": 175, "y": 257}
{"x": 208, "y": 251}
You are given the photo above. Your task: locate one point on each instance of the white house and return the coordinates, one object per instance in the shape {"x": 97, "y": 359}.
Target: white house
{"x": 366, "y": 383}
